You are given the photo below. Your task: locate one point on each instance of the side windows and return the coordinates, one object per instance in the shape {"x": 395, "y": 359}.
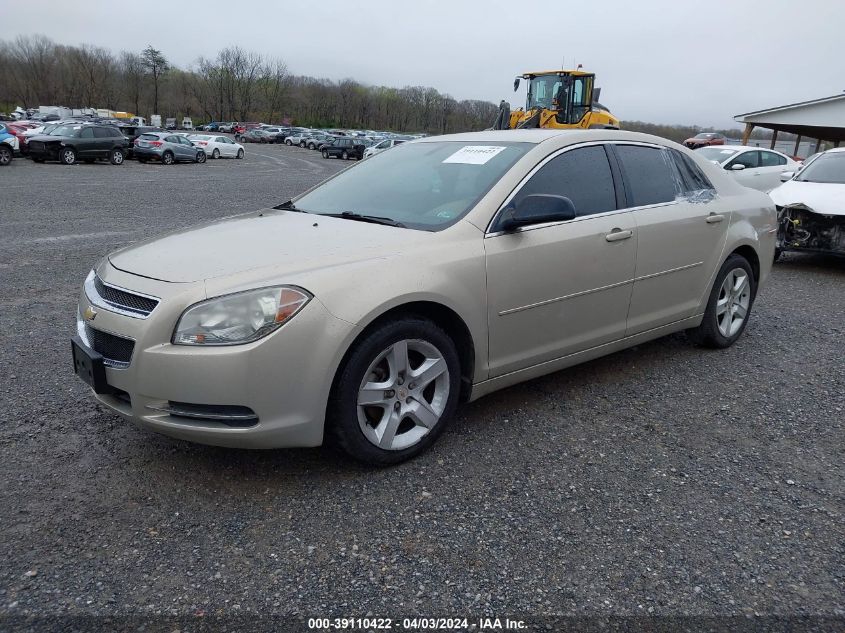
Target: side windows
{"x": 649, "y": 174}
{"x": 749, "y": 159}
{"x": 583, "y": 175}
{"x": 770, "y": 159}
{"x": 102, "y": 132}
{"x": 86, "y": 132}
{"x": 691, "y": 177}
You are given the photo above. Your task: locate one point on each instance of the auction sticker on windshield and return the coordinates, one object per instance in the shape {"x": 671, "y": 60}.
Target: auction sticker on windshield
{"x": 474, "y": 154}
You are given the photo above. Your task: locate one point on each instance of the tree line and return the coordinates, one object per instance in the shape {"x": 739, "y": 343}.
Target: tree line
{"x": 235, "y": 85}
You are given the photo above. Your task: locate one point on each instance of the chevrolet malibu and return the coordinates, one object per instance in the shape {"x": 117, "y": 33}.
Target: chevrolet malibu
{"x": 363, "y": 311}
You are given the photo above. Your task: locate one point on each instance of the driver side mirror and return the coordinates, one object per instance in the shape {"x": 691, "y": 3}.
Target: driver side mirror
{"x": 516, "y": 84}
{"x": 786, "y": 175}
{"x": 538, "y": 208}
{"x": 737, "y": 167}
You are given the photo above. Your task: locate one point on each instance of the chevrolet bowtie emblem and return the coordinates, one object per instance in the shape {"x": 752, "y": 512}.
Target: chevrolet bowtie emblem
{"x": 90, "y": 313}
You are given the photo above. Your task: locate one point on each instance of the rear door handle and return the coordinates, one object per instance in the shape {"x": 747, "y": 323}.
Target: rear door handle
{"x": 713, "y": 218}
{"x": 617, "y": 235}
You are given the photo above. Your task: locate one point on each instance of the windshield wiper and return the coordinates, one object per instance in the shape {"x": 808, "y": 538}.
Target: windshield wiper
{"x": 289, "y": 206}
{"x": 375, "y": 219}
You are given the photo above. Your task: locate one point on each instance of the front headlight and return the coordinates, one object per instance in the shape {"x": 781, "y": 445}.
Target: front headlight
{"x": 239, "y": 318}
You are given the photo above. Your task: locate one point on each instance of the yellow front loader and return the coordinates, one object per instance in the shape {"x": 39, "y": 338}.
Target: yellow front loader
{"x": 557, "y": 99}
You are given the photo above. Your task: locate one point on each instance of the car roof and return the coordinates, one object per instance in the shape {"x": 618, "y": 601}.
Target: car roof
{"x": 537, "y": 136}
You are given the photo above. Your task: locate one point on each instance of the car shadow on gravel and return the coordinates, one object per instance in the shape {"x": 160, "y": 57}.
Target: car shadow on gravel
{"x": 811, "y": 262}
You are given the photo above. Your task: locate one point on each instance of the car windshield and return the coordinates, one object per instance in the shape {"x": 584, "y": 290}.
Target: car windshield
{"x": 422, "y": 185}
{"x": 66, "y": 130}
{"x": 717, "y": 154}
{"x": 829, "y": 168}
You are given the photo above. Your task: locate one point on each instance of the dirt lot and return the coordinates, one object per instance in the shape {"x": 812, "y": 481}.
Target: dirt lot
{"x": 664, "y": 480}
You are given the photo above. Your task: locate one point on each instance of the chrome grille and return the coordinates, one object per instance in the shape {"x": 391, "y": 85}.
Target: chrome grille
{"x": 115, "y": 350}
{"x": 117, "y": 299}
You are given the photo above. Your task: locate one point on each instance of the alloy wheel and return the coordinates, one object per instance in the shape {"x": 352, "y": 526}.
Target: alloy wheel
{"x": 733, "y": 302}
{"x": 403, "y": 394}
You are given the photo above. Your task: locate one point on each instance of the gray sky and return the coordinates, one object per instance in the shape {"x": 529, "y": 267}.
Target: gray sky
{"x": 663, "y": 61}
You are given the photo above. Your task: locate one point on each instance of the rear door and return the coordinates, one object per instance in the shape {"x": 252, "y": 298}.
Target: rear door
{"x": 771, "y": 166}
{"x": 87, "y": 143}
{"x": 559, "y": 288}
{"x": 682, "y": 228}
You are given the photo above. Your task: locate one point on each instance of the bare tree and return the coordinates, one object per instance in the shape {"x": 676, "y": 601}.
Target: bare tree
{"x": 156, "y": 64}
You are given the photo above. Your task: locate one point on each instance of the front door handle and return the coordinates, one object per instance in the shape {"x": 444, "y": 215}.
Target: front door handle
{"x": 713, "y": 218}
{"x": 617, "y": 235}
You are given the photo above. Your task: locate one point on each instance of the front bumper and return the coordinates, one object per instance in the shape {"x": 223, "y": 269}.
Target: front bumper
{"x": 283, "y": 378}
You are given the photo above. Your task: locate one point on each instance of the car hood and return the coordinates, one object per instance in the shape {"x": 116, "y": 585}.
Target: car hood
{"x": 819, "y": 197}
{"x": 46, "y": 138}
{"x": 289, "y": 241}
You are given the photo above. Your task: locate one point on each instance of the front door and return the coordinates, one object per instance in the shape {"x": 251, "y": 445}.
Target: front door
{"x": 556, "y": 289}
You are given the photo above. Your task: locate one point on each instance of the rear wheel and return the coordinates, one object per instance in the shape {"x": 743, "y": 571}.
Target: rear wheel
{"x": 167, "y": 158}
{"x": 325, "y": 153}
{"x": 215, "y": 153}
{"x": 201, "y": 157}
{"x": 116, "y": 157}
{"x": 240, "y": 153}
{"x": 395, "y": 392}
{"x": 729, "y": 305}
{"x": 5, "y": 155}
{"x": 68, "y": 156}
{"x": 288, "y": 142}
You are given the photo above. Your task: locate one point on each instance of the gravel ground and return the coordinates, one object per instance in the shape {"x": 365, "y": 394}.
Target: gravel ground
{"x": 664, "y": 480}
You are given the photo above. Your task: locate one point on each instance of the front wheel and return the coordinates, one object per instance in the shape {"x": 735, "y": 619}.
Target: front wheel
{"x": 288, "y": 142}
{"x": 325, "y": 153}
{"x": 201, "y": 157}
{"x": 240, "y": 153}
{"x": 116, "y": 157}
{"x": 345, "y": 155}
{"x": 68, "y": 156}
{"x": 5, "y": 155}
{"x": 728, "y": 306}
{"x": 167, "y": 158}
{"x": 395, "y": 392}
{"x": 215, "y": 153}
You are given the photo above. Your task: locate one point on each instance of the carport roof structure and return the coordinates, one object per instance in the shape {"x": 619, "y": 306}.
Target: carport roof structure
{"x": 821, "y": 119}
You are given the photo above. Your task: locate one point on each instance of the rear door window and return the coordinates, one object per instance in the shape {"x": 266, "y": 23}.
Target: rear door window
{"x": 692, "y": 179}
{"x": 749, "y": 159}
{"x": 583, "y": 175}
{"x": 770, "y": 159}
{"x": 648, "y": 173}
{"x": 86, "y": 132}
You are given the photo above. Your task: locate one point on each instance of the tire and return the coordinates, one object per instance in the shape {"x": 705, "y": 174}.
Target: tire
{"x": 287, "y": 142}
{"x": 325, "y": 153}
{"x": 201, "y": 157}
{"x": 216, "y": 153}
{"x": 719, "y": 328}
{"x": 302, "y": 144}
{"x": 345, "y": 155}
{"x": 396, "y": 402}
{"x": 68, "y": 156}
{"x": 167, "y": 158}
{"x": 5, "y": 155}
{"x": 116, "y": 157}
{"x": 240, "y": 153}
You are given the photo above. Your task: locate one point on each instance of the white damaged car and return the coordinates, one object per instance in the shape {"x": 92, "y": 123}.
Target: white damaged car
{"x": 811, "y": 206}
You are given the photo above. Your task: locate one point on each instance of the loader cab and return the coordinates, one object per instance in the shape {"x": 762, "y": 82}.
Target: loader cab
{"x": 569, "y": 94}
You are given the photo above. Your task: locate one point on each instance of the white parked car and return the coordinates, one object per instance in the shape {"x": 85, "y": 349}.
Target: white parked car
{"x": 363, "y": 311}
{"x": 380, "y": 147}
{"x": 217, "y": 146}
{"x": 299, "y": 138}
{"x": 751, "y": 166}
{"x": 811, "y": 206}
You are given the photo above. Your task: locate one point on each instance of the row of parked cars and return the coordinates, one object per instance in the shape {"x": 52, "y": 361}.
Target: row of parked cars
{"x": 88, "y": 140}
{"x": 330, "y": 143}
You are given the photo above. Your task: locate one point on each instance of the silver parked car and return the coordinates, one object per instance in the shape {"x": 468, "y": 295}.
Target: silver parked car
{"x": 363, "y": 311}
{"x": 168, "y": 147}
